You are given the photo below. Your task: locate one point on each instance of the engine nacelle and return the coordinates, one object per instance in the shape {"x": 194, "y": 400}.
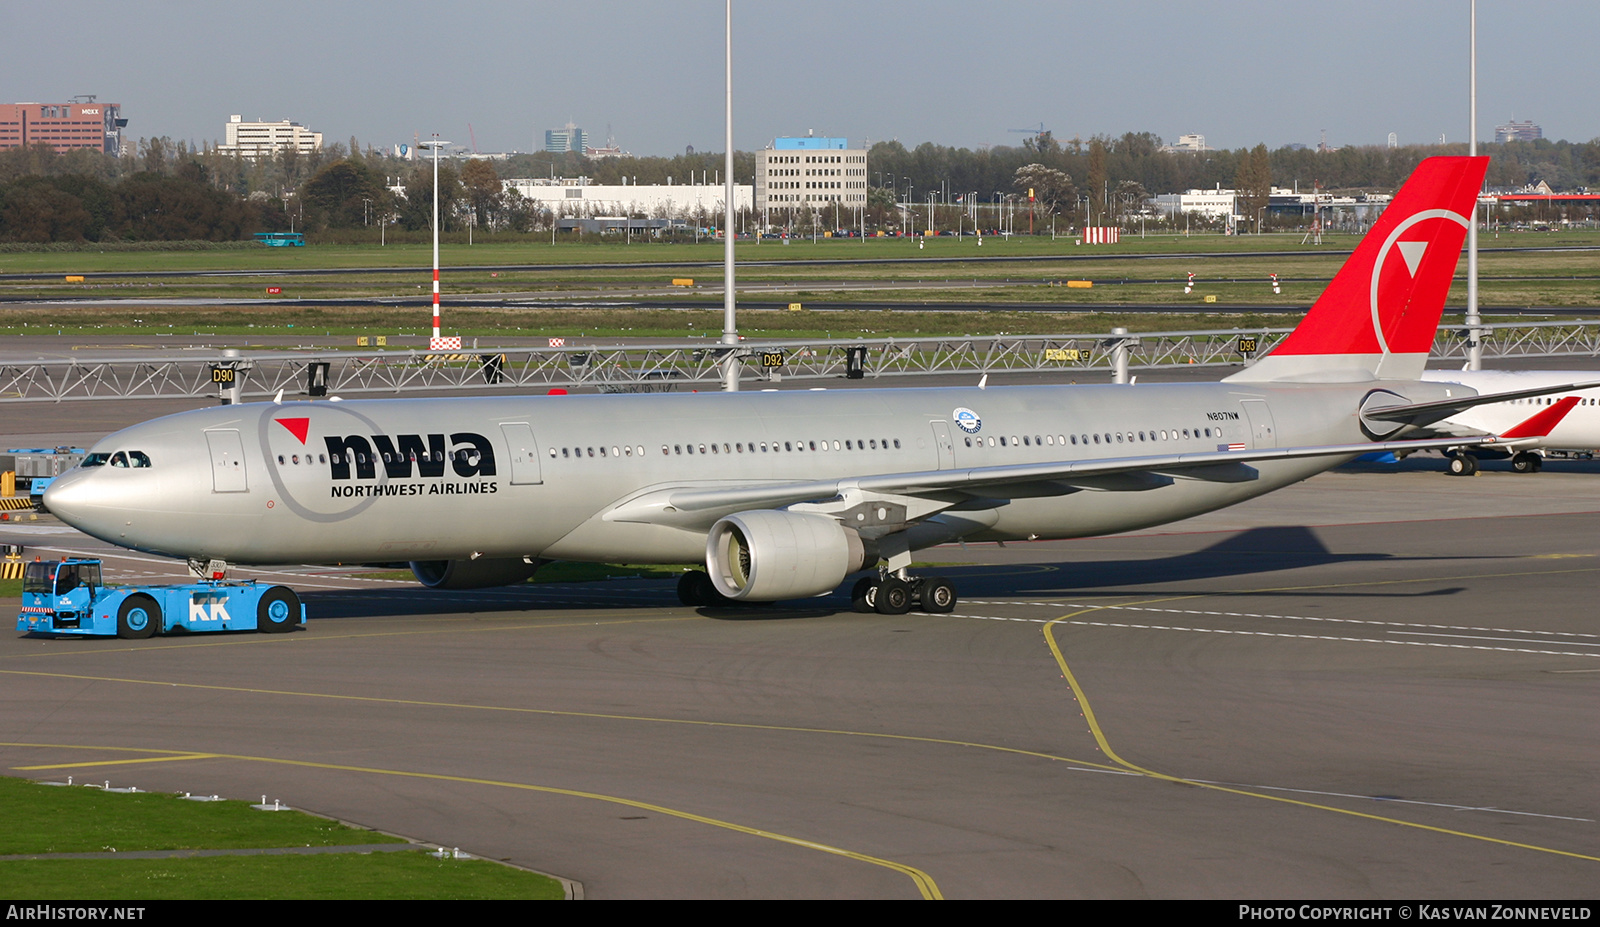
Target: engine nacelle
{"x": 763, "y": 556}
{"x": 473, "y": 574}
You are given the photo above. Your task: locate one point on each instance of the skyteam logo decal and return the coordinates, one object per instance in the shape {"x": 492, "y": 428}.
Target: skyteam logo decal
{"x": 968, "y": 420}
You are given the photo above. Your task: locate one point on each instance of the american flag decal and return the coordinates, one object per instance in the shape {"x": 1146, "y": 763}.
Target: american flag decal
{"x": 1235, "y": 446}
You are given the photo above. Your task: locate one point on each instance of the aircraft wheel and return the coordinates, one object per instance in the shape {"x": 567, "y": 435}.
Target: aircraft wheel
{"x": 1463, "y": 465}
{"x": 138, "y": 618}
{"x": 893, "y": 598}
{"x": 278, "y": 611}
{"x": 692, "y": 588}
{"x": 696, "y": 590}
{"x": 938, "y": 596}
{"x": 864, "y": 595}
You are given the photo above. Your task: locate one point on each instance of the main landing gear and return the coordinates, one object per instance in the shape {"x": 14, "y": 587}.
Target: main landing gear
{"x": 898, "y": 593}
{"x": 1527, "y": 462}
{"x": 696, "y": 590}
{"x": 886, "y": 594}
{"x": 1463, "y": 464}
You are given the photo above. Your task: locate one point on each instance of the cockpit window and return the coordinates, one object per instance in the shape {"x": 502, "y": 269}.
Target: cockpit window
{"x": 135, "y": 459}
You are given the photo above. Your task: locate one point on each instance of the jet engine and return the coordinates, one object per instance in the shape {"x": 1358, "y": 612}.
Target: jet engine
{"x": 473, "y": 574}
{"x": 763, "y": 556}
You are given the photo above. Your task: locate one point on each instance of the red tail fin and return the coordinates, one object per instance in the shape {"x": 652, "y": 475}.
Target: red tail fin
{"x": 1542, "y": 422}
{"x": 1377, "y": 318}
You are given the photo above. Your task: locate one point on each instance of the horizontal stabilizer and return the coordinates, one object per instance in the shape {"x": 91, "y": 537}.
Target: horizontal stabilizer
{"x": 1426, "y": 413}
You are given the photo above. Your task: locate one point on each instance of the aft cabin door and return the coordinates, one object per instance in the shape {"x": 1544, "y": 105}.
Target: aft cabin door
{"x": 524, "y": 452}
{"x": 1262, "y": 434}
{"x": 227, "y": 461}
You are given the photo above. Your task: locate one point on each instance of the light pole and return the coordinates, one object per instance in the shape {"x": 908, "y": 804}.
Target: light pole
{"x": 1474, "y": 320}
{"x": 730, "y": 328}
{"x": 437, "y": 343}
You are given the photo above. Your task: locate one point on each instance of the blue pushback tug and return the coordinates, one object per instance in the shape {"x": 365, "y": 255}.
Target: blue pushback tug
{"x": 68, "y": 597}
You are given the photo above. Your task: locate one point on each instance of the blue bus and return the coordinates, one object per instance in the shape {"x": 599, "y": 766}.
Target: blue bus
{"x": 281, "y": 239}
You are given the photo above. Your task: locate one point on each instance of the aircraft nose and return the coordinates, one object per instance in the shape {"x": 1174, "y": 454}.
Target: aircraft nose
{"x": 76, "y": 499}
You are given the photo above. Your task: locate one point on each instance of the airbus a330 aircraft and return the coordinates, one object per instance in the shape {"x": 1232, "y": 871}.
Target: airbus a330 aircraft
{"x": 786, "y": 494}
{"x": 1579, "y": 431}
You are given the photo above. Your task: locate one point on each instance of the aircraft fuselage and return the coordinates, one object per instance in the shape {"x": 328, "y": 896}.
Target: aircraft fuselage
{"x": 542, "y": 476}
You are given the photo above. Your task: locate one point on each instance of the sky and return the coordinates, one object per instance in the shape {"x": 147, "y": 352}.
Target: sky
{"x": 650, "y": 74}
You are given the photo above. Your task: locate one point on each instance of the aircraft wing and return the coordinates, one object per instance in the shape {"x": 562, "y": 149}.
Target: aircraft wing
{"x": 687, "y": 506}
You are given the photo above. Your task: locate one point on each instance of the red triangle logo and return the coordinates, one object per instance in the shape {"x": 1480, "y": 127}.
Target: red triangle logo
{"x": 297, "y": 427}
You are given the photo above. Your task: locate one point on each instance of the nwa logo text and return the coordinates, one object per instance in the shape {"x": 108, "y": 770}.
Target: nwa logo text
{"x": 404, "y": 456}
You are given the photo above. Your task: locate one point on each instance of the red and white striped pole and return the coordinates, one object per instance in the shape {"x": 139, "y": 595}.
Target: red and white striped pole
{"x": 435, "y": 237}
{"x": 438, "y": 343}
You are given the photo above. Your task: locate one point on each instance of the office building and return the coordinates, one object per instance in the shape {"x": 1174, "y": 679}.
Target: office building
{"x": 254, "y": 140}
{"x": 81, "y": 124}
{"x": 795, "y": 173}
{"x": 1515, "y": 131}
{"x": 567, "y": 138}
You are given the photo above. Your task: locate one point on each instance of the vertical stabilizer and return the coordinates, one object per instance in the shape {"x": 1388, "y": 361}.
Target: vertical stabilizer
{"x": 1378, "y": 316}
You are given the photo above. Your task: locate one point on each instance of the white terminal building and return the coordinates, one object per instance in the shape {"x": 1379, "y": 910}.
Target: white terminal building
{"x": 1222, "y": 203}
{"x": 1216, "y": 203}
{"x": 265, "y": 139}
{"x": 579, "y": 197}
{"x": 796, "y": 173}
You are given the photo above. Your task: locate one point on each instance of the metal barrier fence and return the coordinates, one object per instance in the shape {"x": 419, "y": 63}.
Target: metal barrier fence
{"x": 659, "y": 367}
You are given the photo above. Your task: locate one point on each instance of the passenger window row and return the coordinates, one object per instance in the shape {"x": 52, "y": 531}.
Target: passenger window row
{"x": 1117, "y": 437}
{"x": 737, "y": 447}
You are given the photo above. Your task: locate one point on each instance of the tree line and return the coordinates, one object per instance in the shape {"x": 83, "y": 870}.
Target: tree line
{"x": 161, "y": 190}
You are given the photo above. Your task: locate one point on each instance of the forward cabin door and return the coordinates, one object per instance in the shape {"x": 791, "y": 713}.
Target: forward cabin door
{"x": 227, "y": 461}
{"x": 946, "y": 447}
{"x": 525, "y": 467}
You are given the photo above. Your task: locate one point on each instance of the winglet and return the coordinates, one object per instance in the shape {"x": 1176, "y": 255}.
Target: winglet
{"x": 1542, "y": 422}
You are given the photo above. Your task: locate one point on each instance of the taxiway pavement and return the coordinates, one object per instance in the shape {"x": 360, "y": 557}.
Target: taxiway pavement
{"x": 1377, "y": 684}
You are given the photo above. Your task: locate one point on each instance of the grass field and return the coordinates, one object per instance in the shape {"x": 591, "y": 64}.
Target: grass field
{"x": 582, "y": 297}
{"x": 46, "y": 820}
{"x": 915, "y": 279}
{"x": 535, "y": 250}
{"x": 408, "y": 328}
